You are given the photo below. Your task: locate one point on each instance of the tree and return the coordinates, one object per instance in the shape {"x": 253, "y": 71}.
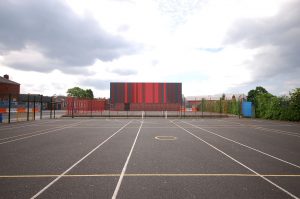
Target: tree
{"x": 89, "y": 94}
{"x": 268, "y": 106}
{"x": 295, "y": 104}
{"x": 80, "y": 93}
{"x": 252, "y": 94}
{"x": 223, "y": 96}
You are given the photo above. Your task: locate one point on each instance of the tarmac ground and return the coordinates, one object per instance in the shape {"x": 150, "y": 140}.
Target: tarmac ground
{"x": 150, "y": 158}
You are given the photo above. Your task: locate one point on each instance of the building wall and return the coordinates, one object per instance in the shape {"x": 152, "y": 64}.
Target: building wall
{"x": 6, "y": 89}
{"x": 148, "y": 94}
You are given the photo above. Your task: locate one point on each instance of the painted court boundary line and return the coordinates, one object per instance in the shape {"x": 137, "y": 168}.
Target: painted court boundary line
{"x": 37, "y": 134}
{"x": 125, "y": 165}
{"x": 278, "y": 131}
{"x": 39, "y": 131}
{"x": 258, "y": 127}
{"x": 151, "y": 175}
{"x": 76, "y": 163}
{"x": 236, "y": 142}
{"x": 240, "y": 163}
{"x": 12, "y": 126}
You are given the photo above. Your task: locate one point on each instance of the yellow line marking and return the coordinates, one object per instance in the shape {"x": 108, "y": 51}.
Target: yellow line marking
{"x": 165, "y": 138}
{"x": 154, "y": 175}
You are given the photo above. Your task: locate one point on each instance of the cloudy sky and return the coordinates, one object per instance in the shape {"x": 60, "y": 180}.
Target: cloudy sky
{"x": 211, "y": 46}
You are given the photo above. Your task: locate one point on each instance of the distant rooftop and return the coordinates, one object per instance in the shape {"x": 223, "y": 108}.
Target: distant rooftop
{"x": 7, "y": 81}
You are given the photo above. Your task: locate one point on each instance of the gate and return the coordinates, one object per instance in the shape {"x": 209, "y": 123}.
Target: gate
{"x": 247, "y": 109}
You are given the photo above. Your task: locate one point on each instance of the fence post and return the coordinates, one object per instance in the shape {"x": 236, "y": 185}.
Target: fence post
{"x": 253, "y": 110}
{"x": 239, "y": 108}
{"x": 28, "y": 107}
{"x": 202, "y": 106}
{"x": 51, "y": 107}
{"x": 91, "y": 107}
{"x": 184, "y": 107}
{"x": 109, "y": 108}
{"x": 9, "y": 107}
{"x": 73, "y": 103}
{"x": 220, "y": 106}
{"x": 54, "y": 107}
{"x": 41, "y": 109}
{"x": 33, "y": 107}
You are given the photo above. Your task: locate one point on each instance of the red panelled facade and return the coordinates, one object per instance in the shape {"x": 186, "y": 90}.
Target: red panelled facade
{"x": 145, "y": 96}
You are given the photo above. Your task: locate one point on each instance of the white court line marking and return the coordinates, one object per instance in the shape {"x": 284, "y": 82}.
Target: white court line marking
{"x": 240, "y": 163}
{"x": 21, "y": 126}
{"x": 278, "y": 131}
{"x": 268, "y": 129}
{"x": 76, "y": 163}
{"x": 236, "y": 123}
{"x": 168, "y": 138}
{"x": 292, "y": 164}
{"x": 53, "y": 128}
{"x": 152, "y": 175}
{"x": 125, "y": 165}
{"x": 37, "y": 134}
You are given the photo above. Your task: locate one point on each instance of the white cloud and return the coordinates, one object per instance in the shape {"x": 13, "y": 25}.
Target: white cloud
{"x": 181, "y": 42}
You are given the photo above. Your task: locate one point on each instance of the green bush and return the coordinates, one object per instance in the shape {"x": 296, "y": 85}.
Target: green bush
{"x": 268, "y": 106}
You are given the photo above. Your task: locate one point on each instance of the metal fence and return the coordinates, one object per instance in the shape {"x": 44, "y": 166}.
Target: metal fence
{"x": 77, "y": 107}
{"x": 27, "y": 107}
{"x": 238, "y": 107}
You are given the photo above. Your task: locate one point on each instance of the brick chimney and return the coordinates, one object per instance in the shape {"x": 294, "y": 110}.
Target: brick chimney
{"x": 6, "y": 77}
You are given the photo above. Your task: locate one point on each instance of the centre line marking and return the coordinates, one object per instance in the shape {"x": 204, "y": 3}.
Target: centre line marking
{"x": 76, "y": 163}
{"x": 292, "y": 164}
{"x": 126, "y": 163}
{"x": 240, "y": 163}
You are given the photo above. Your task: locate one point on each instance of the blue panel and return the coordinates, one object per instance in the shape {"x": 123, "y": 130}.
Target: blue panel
{"x": 247, "y": 109}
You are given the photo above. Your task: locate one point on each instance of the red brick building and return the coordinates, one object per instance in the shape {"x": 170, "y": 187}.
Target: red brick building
{"x": 8, "y": 87}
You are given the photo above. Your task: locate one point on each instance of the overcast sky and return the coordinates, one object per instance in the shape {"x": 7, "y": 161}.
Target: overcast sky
{"x": 211, "y": 46}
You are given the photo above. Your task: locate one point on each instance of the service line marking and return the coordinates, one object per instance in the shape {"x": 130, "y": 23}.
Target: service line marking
{"x": 244, "y": 145}
{"x": 76, "y": 163}
{"x": 152, "y": 175}
{"x": 126, "y": 163}
{"x": 240, "y": 163}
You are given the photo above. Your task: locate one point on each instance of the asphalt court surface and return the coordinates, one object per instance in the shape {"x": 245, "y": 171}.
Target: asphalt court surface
{"x": 150, "y": 158}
